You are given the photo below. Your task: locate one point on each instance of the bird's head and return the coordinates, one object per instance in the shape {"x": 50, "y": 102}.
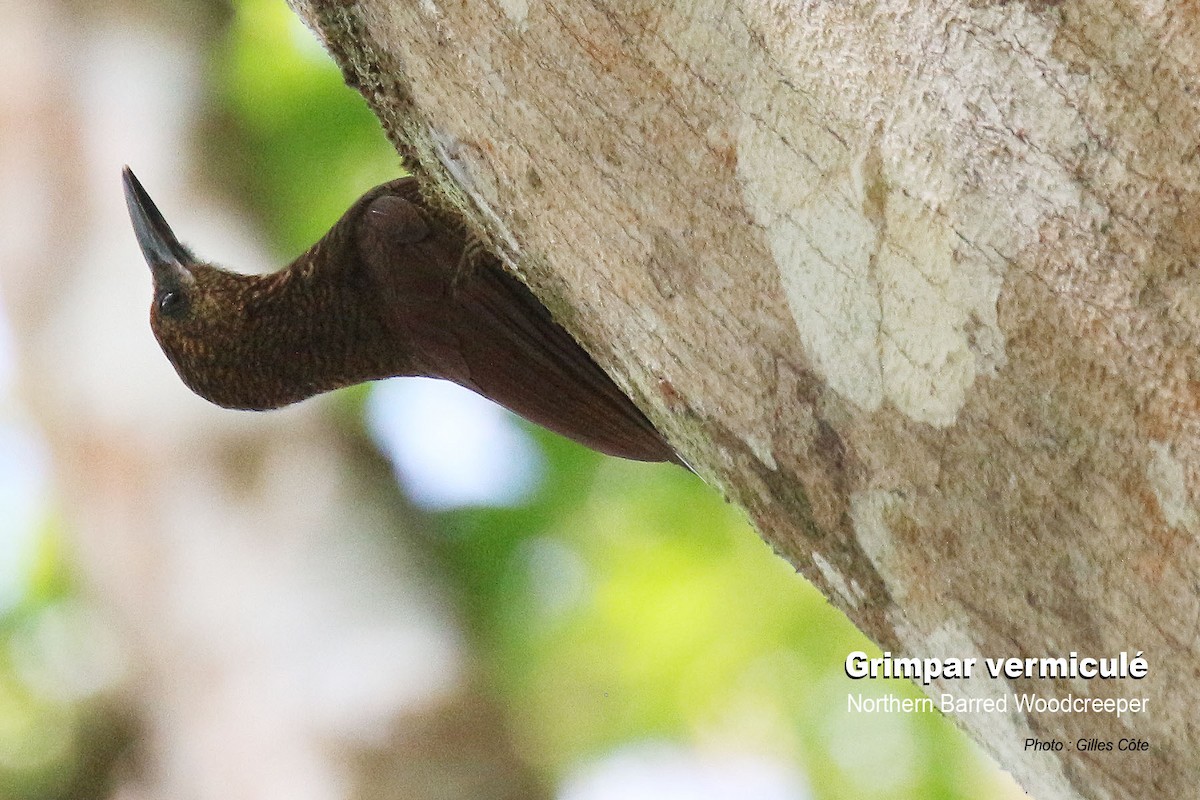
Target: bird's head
{"x": 240, "y": 341}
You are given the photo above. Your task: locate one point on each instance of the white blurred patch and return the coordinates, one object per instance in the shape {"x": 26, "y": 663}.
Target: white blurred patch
{"x": 661, "y": 771}
{"x": 23, "y": 474}
{"x": 450, "y": 447}
{"x": 22, "y": 488}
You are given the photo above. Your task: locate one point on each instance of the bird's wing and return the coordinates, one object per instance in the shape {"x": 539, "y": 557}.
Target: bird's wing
{"x": 469, "y": 321}
{"x": 521, "y": 358}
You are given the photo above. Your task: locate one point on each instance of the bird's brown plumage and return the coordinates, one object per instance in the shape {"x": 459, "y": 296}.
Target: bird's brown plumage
{"x": 394, "y": 288}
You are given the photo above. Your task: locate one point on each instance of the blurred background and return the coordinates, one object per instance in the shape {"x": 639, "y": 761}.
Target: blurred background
{"x": 391, "y": 591}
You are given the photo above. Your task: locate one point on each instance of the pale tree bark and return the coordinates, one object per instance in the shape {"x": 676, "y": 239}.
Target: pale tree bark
{"x": 279, "y": 635}
{"x": 912, "y": 282}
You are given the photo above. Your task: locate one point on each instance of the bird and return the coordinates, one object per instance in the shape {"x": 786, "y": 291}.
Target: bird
{"x": 397, "y": 287}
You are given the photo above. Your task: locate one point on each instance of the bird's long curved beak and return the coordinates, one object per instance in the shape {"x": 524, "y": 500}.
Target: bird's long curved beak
{"x": 169, "y": 260}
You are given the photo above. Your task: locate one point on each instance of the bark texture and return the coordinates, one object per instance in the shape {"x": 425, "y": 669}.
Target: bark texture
{"x": 913, "y": 282}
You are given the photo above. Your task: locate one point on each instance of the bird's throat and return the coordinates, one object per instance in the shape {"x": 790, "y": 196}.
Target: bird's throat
{"x": 270, "y": 341}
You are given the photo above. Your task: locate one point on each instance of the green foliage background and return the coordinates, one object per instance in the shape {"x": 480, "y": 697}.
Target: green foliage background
{"x": 624, "y": 603}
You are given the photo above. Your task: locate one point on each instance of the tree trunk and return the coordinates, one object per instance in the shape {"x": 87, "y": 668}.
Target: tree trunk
{"x": 912, "y": 282}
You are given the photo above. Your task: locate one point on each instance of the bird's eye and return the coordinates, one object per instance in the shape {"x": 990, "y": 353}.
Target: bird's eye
{"x": 171, "y": 303}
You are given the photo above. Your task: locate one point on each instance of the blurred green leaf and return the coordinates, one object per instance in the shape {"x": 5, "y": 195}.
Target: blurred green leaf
{"x": 310, "y": 144}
